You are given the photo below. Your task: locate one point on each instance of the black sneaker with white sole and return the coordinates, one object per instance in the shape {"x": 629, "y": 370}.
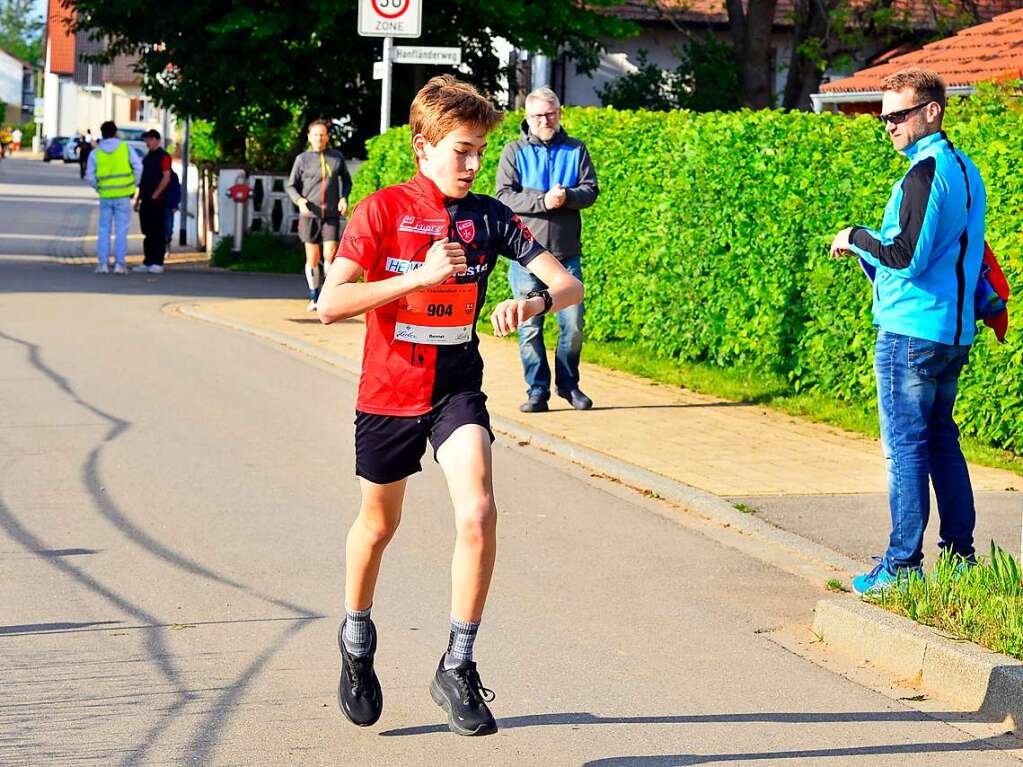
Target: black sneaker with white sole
{"x": 462, "y": 695}
{"x": 358, "y": 691}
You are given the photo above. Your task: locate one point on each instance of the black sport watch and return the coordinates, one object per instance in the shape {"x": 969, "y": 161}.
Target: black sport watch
{"x": 545, "y": 294}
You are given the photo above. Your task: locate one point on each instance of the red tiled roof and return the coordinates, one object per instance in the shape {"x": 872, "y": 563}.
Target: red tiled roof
{"x": 60, "y": 40}
{"x": 989, "y": 51}
{"x": 922, "y": 14}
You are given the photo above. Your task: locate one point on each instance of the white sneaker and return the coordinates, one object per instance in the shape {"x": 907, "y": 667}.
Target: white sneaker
{"x": 119, "y": 269}
{"x": 140, "y": 268}
{"x": 102, "y": 269}
{"x": 311, "y": 307}
{"x": 156, "y": 269}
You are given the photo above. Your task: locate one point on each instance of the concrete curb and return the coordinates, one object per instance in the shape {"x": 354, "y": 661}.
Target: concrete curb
{"x": 957, "y": 671}
{"x": 705, "y": 504}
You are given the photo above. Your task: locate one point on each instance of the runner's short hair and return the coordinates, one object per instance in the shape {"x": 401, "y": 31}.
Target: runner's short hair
{"x": 314, "y": 123}
{"x": 928, "y": 85}
{"x": 108, "y": 129}
{"x": 445, "y": 103}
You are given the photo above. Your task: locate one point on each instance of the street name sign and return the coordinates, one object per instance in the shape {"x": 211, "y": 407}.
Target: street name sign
{"x": 422, "y": 54}
{"x": 390, "y": 18}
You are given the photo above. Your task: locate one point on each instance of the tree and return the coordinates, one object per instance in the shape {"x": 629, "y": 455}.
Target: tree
{"x": 751, "y": 24}
{"x": 829, "y": 32}
{"x": 20, "y": 29}
{"x": 264, "y": 65}
{"x": 749, "y": 65}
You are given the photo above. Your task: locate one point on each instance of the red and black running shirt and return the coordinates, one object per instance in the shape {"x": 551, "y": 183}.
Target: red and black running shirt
{"x": 388, "y": 235}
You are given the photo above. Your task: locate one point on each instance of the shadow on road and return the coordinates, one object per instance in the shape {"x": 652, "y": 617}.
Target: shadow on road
{"x": 893, "y": 750}
{"x": 208, "y": 734}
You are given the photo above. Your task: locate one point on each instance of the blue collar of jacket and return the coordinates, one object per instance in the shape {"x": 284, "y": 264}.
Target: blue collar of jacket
{"x": 921, "y": 148}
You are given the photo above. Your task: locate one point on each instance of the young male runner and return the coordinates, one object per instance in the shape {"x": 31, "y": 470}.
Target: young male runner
{"x": 426, "y": 249}
{"x": 319, "y": 185}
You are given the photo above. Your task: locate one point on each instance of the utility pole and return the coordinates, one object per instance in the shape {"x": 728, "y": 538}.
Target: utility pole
{"x": 385, "y": 86}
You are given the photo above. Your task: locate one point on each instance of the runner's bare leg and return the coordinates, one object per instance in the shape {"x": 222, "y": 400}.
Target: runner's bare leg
{"x": 369, "y": 535}
{"x": 465, "y": 459}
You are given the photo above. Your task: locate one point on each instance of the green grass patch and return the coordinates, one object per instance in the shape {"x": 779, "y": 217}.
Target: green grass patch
{"x": 261, "y": 252}
{"x": 837, "y": 586}
{"x": 745, "y": 509}
{"x": 982, "y": 604}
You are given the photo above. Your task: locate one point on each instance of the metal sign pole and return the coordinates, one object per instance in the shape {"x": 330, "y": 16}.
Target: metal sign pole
{"x": 385, "y": 87}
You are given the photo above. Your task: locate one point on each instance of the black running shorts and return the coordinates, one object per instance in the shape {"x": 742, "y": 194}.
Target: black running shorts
{"x": 315, "y": 230}
{"x": 389, "y": 447}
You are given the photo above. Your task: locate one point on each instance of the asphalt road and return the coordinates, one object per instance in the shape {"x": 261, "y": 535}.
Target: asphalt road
{"x": 173, "y": 502}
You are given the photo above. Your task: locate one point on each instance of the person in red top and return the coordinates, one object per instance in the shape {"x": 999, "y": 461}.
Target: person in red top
{"x": 424, "y": 251}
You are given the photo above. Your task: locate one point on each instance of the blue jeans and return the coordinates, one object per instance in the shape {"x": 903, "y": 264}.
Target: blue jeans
{"x": 116, "y": 210}
{"x": 531, "y": 346}
{"x": 916, "y": 391}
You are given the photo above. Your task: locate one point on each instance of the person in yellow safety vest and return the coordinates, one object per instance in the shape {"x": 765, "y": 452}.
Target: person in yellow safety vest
{"x": 113, "y": 170}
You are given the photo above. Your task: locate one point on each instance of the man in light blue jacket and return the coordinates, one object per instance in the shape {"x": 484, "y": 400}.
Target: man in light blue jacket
{"x": 924, "y": 263}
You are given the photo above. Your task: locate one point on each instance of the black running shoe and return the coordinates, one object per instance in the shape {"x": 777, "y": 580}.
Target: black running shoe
{"x": 462, "y": 695}
{"x": 358, "y": 692}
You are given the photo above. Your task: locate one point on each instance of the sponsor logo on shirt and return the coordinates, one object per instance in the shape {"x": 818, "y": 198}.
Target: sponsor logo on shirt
{"x": 401, "y": 265}
{"x": 416, "y": 225}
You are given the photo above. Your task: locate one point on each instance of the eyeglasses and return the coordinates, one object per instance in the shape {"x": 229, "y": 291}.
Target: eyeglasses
{"x": 897, "y": 118}
{"x": 548, "y": 116}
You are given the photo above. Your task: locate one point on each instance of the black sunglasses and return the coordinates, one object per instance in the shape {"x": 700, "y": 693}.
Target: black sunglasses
{"x": 897, "y": 118}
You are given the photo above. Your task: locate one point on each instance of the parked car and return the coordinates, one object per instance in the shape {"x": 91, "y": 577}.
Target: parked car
{"x": 133, "y": 138}
{"x": 55, "y": 148}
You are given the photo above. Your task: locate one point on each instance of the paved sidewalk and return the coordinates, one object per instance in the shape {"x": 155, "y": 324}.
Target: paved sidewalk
{"x": 815, "y": 480}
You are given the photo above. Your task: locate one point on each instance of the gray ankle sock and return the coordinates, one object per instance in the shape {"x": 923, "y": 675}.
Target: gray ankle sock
{"x": 356, "y": 636}
{"x": 460, "y": 640}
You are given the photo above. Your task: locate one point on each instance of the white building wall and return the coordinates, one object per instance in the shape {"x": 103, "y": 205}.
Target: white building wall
{"x": 622, "y": 57}
{"x": 90, "y": 113}
{"x": 619, "y": 59}
{"x": 11, "y": 75}
{"x": 67, "y": 122}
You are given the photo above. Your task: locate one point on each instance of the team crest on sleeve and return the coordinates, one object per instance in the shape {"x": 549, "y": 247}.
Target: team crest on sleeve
{"x": 466, "y": 230}
{"x": 522, "y": 227}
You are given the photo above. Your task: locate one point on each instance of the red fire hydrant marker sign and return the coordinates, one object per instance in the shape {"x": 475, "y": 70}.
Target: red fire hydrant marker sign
{"x": 442, "y": 315}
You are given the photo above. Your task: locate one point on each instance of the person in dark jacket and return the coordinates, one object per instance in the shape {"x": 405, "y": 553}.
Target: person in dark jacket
{"x": 547, "y": 177}
{"x": 319, "y": 185}
{"x": 150, "y": 203}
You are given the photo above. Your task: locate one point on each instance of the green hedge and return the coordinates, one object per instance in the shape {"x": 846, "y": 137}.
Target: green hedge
{"x": 709, "y": 239}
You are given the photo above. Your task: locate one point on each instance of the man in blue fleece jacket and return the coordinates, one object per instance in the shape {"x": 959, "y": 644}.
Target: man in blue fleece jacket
{"x": 546, "y": 178}
{"x": 925, "y": 261}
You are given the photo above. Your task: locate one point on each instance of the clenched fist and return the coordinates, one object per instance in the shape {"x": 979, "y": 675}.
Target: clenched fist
{"x": 443, "y": 259}
{"x": 509, "y": 315}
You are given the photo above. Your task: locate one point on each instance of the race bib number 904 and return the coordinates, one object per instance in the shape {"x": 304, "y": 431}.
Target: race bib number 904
{"x": 442, "y": 315}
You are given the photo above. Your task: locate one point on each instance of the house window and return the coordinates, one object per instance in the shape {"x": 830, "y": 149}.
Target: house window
{"x": 139, "y": 111}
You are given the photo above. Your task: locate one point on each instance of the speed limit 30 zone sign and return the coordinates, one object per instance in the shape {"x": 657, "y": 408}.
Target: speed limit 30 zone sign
{"x": 390, "y": 18}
